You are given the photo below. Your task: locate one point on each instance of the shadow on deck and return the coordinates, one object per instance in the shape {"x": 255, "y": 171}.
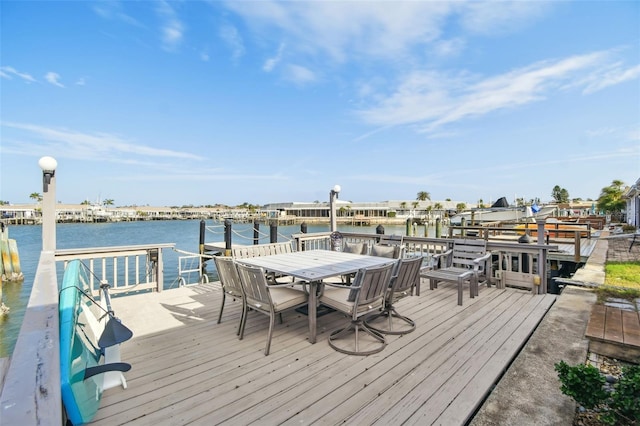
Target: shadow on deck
{"x": 188, "y": 369}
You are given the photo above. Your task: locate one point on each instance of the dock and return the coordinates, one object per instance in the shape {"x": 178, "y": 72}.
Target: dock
{"x": 186, "y": 369}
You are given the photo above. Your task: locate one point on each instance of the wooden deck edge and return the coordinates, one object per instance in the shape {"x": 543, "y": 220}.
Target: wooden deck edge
{"x": 615, "y": 350}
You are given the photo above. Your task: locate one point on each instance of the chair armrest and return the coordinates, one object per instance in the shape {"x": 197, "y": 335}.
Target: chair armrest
{"x": 481, "y": 259}
{"x": 338, "y": 285}
{"x": 436, "y": 258}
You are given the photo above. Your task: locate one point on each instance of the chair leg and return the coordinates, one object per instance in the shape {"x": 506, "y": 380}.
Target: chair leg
{"x": 389, "y": 313}
{"x": 272, "y": 320}
{"x": 355, "y": 326}
{"x": 221, "y": 307}
{"x": 243, "y": 317}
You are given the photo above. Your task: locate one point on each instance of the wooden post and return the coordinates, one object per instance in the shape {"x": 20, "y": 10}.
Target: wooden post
{"x": 303, "y": 229}
{"x": 407, "y": 227}
{"x": 201, "y": 245}
{"x": 227, "y": 237}
{"x": 256, "y": 232}
{"x": 438, "y": 227}
{"x": 273, "y": 232}
{"x": 542, "y": 257}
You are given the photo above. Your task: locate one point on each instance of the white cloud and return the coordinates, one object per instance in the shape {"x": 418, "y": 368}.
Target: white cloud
{"x": 431, "y": 99}
{"x": 172, "y": 29}
{"x": 53, "y": 78}
{"x": 94, "y": 147}
{"x": 300, "y": 75}
{"x": 112, "y": 10}
{"x": 610, "y": 77}
{"x": 81, "y": 81}
{"x": 343, "y": 30}
{"x": 233, "y": 39}
{"x": 8, "y": 72}
{"x": 487, "y": 17}
{"x": 271, "y": 63}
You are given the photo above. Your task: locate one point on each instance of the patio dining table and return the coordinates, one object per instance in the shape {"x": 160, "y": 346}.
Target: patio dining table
{"x": 312, "y": 267}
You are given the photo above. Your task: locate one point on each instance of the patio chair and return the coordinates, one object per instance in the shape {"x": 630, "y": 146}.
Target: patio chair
{"x": 364, "y": 296}
{"x": 406, "y": 277}
{"x": 231, "y": 285}
{"x": 389, "y": 246}
{"x": 467, "y": 261}
{"x": 267, "y": 299}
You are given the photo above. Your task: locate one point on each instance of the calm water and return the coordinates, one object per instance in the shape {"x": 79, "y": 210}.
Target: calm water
{"x": 185, "y": 235}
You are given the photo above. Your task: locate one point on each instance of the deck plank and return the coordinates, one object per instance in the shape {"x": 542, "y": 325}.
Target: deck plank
{"x": 187, "y": 369}
{"x": 613, "y": 325}
{"x": 631, "y": 328}
{"x": 595, "y": 327}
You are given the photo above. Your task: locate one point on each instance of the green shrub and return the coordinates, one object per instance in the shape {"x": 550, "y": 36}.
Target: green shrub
{"x": 585, "y": 384}
{"x": 625, "y": 401}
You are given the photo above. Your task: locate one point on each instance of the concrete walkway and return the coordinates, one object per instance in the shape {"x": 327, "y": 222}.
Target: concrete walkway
{"x": 529, "y": 392}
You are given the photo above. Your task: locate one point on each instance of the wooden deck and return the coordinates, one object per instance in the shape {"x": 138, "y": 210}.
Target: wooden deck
{"x": 186, "y": 369}
{"x": 614, "y": 332}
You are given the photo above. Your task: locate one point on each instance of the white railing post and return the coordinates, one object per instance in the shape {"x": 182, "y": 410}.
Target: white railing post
{"x": 48, "y": 166}
{"x": 333, "y": 197}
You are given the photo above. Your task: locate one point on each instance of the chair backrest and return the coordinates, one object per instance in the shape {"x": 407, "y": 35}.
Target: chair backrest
{"x": 390, "y": 251}
{"x": 391, "y": 239}
{"x": 371, "y": 284}
{"x": 254, "y": 283}
{"x": 385, "y": 245}
{"x": 242, "y": 252}
{"x": 228, "y": 275}
{"x": 465, "y": 250}
{"x": 407, "y": 275}
{"x": 355, "y": 247}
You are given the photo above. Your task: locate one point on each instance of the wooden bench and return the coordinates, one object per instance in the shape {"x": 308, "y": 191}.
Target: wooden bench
{"x": 243, "y": 252}
{"x": 465, "y": 262}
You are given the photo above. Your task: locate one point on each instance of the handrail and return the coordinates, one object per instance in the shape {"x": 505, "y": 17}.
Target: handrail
{"x": 126, "y": 268}
{"x": 36, "y": 400}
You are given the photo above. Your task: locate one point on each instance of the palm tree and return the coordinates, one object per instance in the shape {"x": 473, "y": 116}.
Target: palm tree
{"x": 108, "y": 202}
{"x": 415, "y": 204}
{"x": 438, "y": 207}
{"x": 611, "y": 201}
{"x": 36, "y": 196}
{"x": 403, "y": 205}
{"x": 423, "y": 196}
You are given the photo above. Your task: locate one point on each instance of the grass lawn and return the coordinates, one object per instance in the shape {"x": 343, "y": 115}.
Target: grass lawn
{"x": 623, "y": 274}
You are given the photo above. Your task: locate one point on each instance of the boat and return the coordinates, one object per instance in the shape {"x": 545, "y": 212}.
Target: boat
{"x": 501, "y": 211}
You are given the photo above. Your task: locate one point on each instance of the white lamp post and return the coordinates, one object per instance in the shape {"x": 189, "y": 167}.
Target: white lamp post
{"x": 48, "y": 166}
{"x": 333, "y": 196}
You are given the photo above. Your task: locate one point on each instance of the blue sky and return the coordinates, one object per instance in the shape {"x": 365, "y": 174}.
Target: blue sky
{"x": 187, "y": 102}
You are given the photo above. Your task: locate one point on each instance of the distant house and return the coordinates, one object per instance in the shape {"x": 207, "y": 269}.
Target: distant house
{"x": 632, "y": 196}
